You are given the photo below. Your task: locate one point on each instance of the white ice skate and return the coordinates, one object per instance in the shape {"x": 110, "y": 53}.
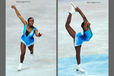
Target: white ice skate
{"x": 79, "y": 68}
{"x": 72, "y": 9}
{"x": 19, "y": 67}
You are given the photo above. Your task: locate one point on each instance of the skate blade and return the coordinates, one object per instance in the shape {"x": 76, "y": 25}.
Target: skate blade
{"x": 18, "y": 70}
{"x": 72, "y": 5}
{"x": 80, "y": 71}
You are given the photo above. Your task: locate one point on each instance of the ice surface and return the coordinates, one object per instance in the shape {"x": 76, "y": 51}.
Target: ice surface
{"x": 94, "y": 65}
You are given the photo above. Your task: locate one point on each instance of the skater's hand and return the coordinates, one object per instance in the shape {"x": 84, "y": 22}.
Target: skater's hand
{"x": 77, "y": 9}
{"x": 13, "y": 6}
{"x": 39, "y": 34}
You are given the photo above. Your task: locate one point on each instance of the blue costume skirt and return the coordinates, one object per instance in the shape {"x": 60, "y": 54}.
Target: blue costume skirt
{"x": 79, "y": 38}
{"x": 27, "y": 42}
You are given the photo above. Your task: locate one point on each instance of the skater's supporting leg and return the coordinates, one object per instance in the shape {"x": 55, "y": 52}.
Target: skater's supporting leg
{"x": 68, "y": 27}
{"x": 31, "y": 48}
{"x": 78, "y": 49}
{"x": 23, "y": 50}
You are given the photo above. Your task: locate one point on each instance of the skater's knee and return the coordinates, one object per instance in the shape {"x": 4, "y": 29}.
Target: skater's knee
{"x": 66, "y": 25}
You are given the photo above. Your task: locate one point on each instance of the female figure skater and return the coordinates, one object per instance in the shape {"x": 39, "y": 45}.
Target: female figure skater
{"x": 78, "y": 37}
{"x": 27, "y": 38}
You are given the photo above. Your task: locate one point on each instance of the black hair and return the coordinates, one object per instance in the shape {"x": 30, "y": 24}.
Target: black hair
{"x": 30, "y": 18}
{"x": 82, "y": 25}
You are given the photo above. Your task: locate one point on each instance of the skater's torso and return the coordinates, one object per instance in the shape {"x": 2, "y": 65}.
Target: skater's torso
{"x": 28, "y": 33}
{"x": 86, "y": 36}
{"x": 29, "y": 29}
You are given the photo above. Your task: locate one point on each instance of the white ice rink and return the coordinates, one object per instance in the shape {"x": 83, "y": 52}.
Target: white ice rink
{"x": 94, "y": 65}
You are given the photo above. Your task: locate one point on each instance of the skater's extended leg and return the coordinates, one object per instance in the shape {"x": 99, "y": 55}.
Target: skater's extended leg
{"x": 68, "y": 27}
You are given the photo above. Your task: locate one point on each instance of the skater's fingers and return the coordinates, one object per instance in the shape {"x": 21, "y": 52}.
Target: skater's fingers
{"x": 40, "y": 34}
{"x": 77, "y": 8}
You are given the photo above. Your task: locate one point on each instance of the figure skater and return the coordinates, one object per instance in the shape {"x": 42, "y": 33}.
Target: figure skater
{"x": 27, "y": 38}
{"x": 79, "y": 38}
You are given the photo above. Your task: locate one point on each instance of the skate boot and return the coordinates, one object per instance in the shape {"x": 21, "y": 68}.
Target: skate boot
{"x": 19, "y": 67}
{"x": 72, "y": 9}
{"x": 79, "y": 68}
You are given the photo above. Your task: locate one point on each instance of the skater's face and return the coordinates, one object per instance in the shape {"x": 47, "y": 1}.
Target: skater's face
{"x": 31, "y": 21}
{"x": 85, "y": 25}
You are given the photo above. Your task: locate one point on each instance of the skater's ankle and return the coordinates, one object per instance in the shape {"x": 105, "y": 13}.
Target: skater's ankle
{"x": 78, "y": 64}
{"x": 21, "y": 62}
{"x": 31, "y": 52}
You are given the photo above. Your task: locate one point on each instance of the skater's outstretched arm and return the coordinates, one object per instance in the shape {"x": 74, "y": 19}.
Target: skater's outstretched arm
{"x": 82, "y": 14}
{"x": 38, "y": 34}
{"x": 19, "y": 15}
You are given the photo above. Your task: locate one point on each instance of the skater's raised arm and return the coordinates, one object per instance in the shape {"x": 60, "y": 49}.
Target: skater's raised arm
{"x": 38, "y": 34}
{"x": 19, "y": 15}
{"x": 82, "y": 14}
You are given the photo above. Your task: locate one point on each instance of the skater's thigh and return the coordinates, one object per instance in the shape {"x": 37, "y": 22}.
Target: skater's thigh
{"x": 71, "y": 31}
{"x": 78, "y": 49}
{"x": 23, "y": 47}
